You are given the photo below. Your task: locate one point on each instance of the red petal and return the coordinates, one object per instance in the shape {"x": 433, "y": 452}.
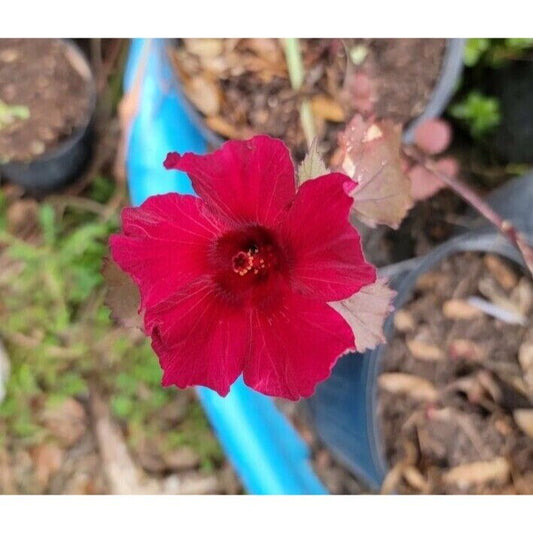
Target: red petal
{"x": 164, "y": 244}
{"x": 199, "y": 339}
{"x": 246, "y": 181}
{"x": 325, "y": 249}
{"x": 171, "y": 160}
{"x": 295, "y": 348}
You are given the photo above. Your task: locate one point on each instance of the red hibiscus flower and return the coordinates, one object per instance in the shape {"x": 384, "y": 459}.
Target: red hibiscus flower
{"x": 239, "y": 279}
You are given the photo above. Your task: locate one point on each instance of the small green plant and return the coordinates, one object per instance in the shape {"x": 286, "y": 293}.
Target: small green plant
{"x": 49, "y": 288}
{"x": 474, "y": 50}
{"x": 496, "y": 52}
{"x": 501, "y": 51}
{"x": 59, "y": 335}
{"x": 10, "y": 113}
{"x": 480, "y": 113}
{"x": 477, "y": 111}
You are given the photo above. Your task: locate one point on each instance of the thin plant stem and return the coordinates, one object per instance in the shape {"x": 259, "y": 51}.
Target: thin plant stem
{"x": 295, "y": 66}
{"x": 465, "y": 192}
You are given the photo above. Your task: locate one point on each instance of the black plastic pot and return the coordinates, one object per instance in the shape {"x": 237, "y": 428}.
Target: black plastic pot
{"x": 62, "y": 164}
{"x": 344, "y": 408}
{"x": 452, "y": 67}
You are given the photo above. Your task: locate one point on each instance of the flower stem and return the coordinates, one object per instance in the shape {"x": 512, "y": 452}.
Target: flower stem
{"x": 295, "y": 66}
{"x": 467, "y": 194}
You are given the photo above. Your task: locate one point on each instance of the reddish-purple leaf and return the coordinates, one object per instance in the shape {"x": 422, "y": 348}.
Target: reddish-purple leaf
{"x": 122, "y": 296}
{"x": 371, "y": 157}
{"x": 433, "y": 136}
{"x": 425, "y": 184}
{"x": 365, "y": 312}
{"x": 362, "y": 93}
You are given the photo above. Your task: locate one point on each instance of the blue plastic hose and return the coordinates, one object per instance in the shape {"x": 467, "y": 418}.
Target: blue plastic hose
{"x": 266, "y": 451}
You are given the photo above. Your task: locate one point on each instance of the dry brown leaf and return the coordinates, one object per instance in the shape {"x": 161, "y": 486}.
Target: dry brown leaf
{"x": 122, "y": 296}
{"x": 224, "y": 128}
{"x": 263, "y": 57}
{"x": 522, "y": 296}
{"x": 326, "y": 108}
{"x": 413, "y": 476}
{"x": 204, "y": 47}
{"x": 366, "y": 312}
{"x": 393, "y": 477}
{"x": 501, "y": 272}
{"x": 204, "y": 94}
{"x": 22, "y": 215}
{"x": 524, "y": 420}
{"x": 424, "y": 351}
{"x": 47, "y": 460}
{"x": 524, "y": 484}
{"x": 371, "y": 157}
{"x": 525, "y": 358}
{"x": 66, "y": 421}
{"x": 182, "y": 458}
{"x": 268, "y": 49}
{"x": 457, "y": 309}
{"x": 471, "y": 386}
{"x": 404, "y": 321}
{"x": 489, "y": 288}
{"x": 123, "y": 475}
{"x": 430, "y": 280}
{"x": 148, "y": 453}
{"x": 23, "y": 471}
{"x": 414, "y": 386}
{"x": 490, "y": 385}
{"x": 467, "y": 475}
{"x": 466, "y": 349}
{"x": 191, "y": 483}
{"x": 503, "y": 427}
{"x": 7, "y": 478}
{"x": 443, "y": 414}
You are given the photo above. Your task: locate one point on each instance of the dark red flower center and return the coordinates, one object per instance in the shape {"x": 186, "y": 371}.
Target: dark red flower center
{"x": 256, "y": 261}
{"x": 248, "y": 263}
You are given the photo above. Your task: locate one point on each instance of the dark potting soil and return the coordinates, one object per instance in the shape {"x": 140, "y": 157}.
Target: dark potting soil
{"x": 403, "y": 72}
{"x": 242, "y": 87}
{"x": 44, "y": 97}
{"x": 456, "y": 388}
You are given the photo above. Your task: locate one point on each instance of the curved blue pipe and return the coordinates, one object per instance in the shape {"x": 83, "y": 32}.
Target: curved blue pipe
{"x": 266, "y": 451}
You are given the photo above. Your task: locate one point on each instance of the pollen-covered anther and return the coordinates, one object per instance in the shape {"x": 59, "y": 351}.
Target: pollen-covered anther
{"x": 242, "y": 263}
{"x": 256, "y": 260}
